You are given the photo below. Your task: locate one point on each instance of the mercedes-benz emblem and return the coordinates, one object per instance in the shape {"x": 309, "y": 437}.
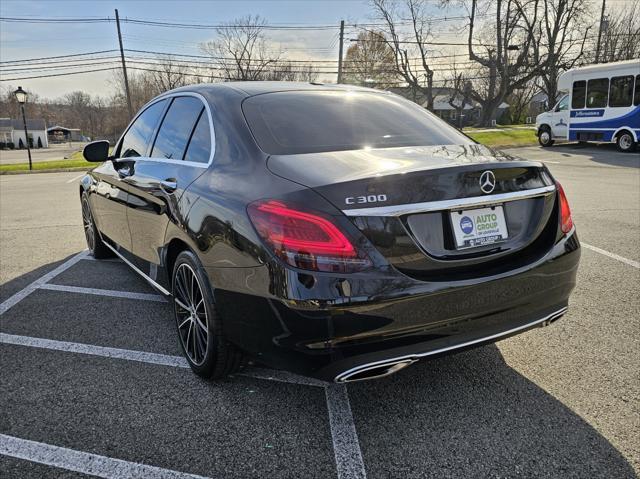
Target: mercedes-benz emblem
{"x": 487, "y": 181}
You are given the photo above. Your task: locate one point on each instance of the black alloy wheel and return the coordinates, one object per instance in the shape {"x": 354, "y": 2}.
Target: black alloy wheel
{"x": 199, "y": 325}
{"x": 96, "y": 246}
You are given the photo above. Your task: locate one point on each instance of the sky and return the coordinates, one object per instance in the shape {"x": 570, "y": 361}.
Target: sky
{"x": 27, "y": 40}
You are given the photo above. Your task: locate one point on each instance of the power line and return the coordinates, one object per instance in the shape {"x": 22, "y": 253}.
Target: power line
{"x": 55, "y": 20}
{"x": 59, "y": 74}
{"x": 212, "y": 26}
{"x": 59, "y": 56}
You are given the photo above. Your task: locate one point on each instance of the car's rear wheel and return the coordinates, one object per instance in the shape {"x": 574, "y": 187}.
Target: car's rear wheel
{"x": 199, "y": 325}
{"x": 625, "y": 143}
{"x": 544, "y": 136}
{"x": 96, "y": 246}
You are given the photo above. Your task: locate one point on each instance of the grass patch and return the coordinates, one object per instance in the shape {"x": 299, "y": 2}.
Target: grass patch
{"x": 504, "y": 138}
{"x": 73, "y": 162}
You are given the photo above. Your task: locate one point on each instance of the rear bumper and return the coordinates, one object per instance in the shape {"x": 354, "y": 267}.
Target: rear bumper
{"x": 383, "y": 367}
{"x": 332, "y": 327}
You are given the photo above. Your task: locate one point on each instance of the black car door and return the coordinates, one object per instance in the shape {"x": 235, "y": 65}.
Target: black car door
{"x": 180, "y": 153}
{"x": 109, "y": 203}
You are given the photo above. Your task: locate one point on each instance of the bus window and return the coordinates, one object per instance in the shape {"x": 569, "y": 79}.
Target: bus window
{"x": 578, "y": 94}
{"x": 621, "y": 91}
{"x": 636, "y": 96}
{"x": 562, "y": 105}
{"x": 597, "y": 93}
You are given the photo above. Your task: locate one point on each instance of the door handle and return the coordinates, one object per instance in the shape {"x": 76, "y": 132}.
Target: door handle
{"x": 169, "y": 185}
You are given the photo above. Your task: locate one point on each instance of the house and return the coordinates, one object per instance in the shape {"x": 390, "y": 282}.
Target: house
{"x": 60, "y": 134}
{"x": 538, "y": 104}
{"x": 12, "y": 132}
{"x": 442, "y": 107}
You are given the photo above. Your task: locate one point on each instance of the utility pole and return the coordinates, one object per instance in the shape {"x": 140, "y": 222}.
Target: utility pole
{"x": 124, "y": 67}
{"x": 604, "y": 4}
{"x": 340, "y": 51}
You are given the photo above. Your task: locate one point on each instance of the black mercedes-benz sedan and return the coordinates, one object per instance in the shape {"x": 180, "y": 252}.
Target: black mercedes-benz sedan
{"x": 333, "y": 231}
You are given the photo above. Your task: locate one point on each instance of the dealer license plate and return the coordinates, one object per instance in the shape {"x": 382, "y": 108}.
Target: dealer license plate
{"x": 479, "y": 227}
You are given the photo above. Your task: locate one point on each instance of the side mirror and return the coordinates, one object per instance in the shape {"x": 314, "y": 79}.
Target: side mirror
{"x": 546, "y": 105}
{"x": 96, "y": 151}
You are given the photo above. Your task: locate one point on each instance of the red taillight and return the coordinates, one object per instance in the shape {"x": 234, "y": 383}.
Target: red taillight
{"x": 566, "y": 223}
{"x": 305, "y": 240}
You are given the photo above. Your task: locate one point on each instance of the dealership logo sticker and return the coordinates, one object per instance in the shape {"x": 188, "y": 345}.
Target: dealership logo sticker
{"x": 466, "y": 225}
{"x": 487, "y": 182}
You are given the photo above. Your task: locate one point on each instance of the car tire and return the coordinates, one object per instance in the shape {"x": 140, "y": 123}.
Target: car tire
{"x": 625, "y": 143}
{"x": 544, "y": 136}
{"x": 207, "y": 351}
{"x": 96, "y": 246}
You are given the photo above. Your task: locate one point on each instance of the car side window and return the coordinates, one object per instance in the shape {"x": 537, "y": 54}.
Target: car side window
{"x": 579, "y": 94}
{"x": 136, "y": 140}
{"x": 199, "y": 149}
{"x": 621, "y": 91}
{"x": 636, "y": 95}
{"x": 597, "y": 93}
{"x": 176, "y": 128}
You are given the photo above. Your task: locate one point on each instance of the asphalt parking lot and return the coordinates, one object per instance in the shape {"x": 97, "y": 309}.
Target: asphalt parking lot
{"x": 92, "y": 382}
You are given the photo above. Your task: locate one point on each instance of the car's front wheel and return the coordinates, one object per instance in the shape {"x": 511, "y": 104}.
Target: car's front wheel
{"x": 544, "y": 136}
{"x": 96, "y": 246}
{"x": 199, "y": 325}
{"x": 625, "y": 143}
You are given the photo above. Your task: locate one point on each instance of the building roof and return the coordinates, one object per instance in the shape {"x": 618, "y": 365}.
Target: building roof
{"x": 58, "y": 127}
{"x": 32, "y": 124}
{"x": 441, "y": 102}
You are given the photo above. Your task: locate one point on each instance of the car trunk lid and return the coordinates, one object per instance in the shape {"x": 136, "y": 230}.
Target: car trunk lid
{"x": 404, "y": 200}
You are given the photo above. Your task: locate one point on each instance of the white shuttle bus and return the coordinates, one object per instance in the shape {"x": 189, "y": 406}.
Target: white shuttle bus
{"x": 602, "y": 104}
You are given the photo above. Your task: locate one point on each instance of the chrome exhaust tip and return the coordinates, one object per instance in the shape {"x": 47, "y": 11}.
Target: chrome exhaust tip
{"x": 373, "y": 371}
{"x": 553, "y": 318}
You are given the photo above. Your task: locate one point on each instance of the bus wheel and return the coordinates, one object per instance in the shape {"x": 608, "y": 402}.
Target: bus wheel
{"x": 625, "y": 143}
{"x": 544, "y": 136}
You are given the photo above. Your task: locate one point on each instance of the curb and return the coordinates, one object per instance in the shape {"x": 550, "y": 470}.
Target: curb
{"x": 521, "y": 145}
{"x": 50, "y": 170}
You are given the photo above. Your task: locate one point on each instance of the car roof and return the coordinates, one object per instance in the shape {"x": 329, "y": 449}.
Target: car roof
{"x": 250, "y": 88}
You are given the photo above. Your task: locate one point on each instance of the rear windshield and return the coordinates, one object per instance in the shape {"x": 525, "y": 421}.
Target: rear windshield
{"x": 286, "y": 123}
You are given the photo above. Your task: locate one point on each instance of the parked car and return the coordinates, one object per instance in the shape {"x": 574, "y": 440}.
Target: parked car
{"x": 333, "y": 231}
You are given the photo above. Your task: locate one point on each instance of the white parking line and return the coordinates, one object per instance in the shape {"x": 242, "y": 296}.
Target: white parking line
{"x": 145, "y": 357}
{"x": 617, "y": 257}
{"x": 104, "y": 292}
{"x": 90, "y": 349}
{"x": 84, "y": 462}
{"x": 282, "y": 376}
{"x": 23, "y": 293}
{"x": 346, "y": 446}
{"x": 76, "y": 178}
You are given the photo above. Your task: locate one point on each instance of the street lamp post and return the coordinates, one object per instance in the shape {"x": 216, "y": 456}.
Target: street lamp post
{"x": 21, "y": 96}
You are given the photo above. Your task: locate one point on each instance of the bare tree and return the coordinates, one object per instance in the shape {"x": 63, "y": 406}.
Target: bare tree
{"x": 621, "y": 33}
{"x": 520, "y": 101}
{"x": 241, "y": 49}
{"x": 410, "y": 43}
{"x": 457, "y": 89}
{"x": 515, "y": 28}
{"x": 168, "y": 74}
{"x": 288, "y": 71}
{"x": 370, "y": 60}
{"x": 565, "y": 28}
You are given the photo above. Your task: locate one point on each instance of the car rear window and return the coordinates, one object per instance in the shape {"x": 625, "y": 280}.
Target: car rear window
{"x": 295, "y": 122}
